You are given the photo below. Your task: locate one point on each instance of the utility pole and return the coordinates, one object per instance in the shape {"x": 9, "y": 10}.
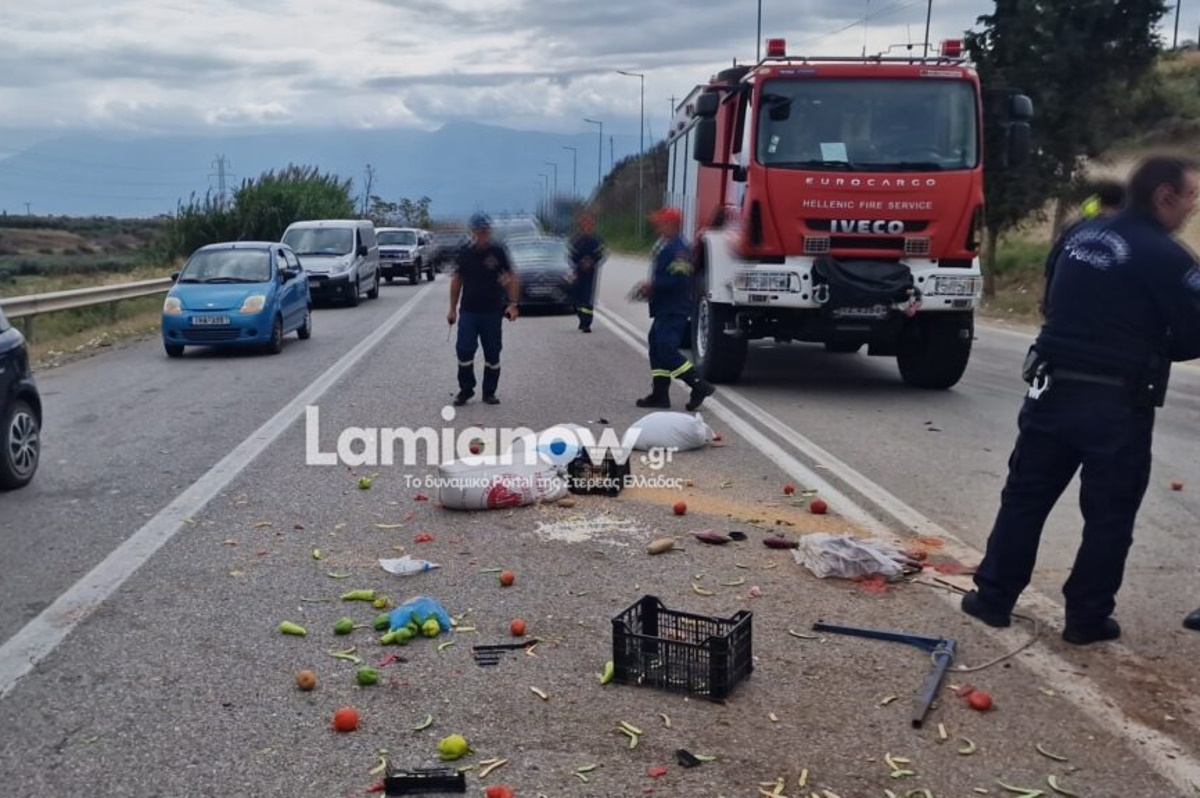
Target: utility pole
{"x": 612, "y": 159}
{"x": 641, "y": 153}
{"x": 27, "y": 213}
{"x": 671, "y": 118}
{"x": 367, "y": 191}
{"x": 758, "y": 39}
{"x": 220, "y": 165}
{"x": 928, "y": 16}
{"x": 553, "y": 209}
{"x": 574, "y": 172}
{"x": 545, "y": 194}
{"x": 1175, "y": 43}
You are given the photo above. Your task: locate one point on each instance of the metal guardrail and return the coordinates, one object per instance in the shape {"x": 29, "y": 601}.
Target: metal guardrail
{"x": 27, "y": 307}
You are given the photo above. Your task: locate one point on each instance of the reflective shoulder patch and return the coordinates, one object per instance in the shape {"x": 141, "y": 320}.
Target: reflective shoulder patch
{"x": 680, "y": 266}
{"x": 1192, "y": 280}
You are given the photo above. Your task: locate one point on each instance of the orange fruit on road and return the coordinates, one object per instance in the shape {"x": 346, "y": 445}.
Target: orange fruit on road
{"x": 517, "y": 628}
{"x": 680, "y": 508}
{"x": 306, "y": 680}
{"x": 507, "y": 578}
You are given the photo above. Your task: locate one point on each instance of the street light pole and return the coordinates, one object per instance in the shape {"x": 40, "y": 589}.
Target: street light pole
{"x": 599, "y": 151}
{"x": 574, "y": 171}
{"x": 545, "y": 192}
{"x": 641, "y": 153}
{"x": 553, "y": 198}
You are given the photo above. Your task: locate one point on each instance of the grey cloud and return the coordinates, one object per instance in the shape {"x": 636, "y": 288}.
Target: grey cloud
{"x": 560, "y": 78}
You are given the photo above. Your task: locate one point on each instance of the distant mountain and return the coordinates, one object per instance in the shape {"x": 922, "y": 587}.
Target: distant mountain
{"x": 462, "y": 167}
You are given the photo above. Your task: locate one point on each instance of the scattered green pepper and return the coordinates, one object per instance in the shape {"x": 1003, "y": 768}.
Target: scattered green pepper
{"x": 359, "y": 595}
{"x": 344, "y": 626}
{"x": 368, "y": 676}
{"x": 609, "y": 672}
{"x": 382, "y": 622}
{"x": 289, "y": 628}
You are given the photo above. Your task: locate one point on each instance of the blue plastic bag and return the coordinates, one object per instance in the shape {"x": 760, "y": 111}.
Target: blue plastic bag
{"x": 419, "y": 610}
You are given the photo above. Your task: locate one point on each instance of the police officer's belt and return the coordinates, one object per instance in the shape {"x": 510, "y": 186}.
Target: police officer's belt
{"x": 1080, "y": 376}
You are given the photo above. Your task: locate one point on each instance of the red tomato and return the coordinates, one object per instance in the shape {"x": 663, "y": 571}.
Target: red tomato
{"x": 980, "y": 700}
{"x": 680, "y": 508}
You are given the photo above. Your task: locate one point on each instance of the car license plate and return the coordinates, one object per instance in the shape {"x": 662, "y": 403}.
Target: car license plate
{"x": 540, "y": 290}
{"x": 209, "y": 321}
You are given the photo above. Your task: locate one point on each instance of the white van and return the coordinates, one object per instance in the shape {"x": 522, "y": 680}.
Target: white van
{"x": 339, "y": 256}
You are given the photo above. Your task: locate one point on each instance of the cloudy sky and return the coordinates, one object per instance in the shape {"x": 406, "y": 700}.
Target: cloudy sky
{"x": 150, "y": 66}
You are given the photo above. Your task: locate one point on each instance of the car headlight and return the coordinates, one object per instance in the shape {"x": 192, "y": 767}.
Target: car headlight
{"x": 172, "y": 306}
{"x": 346, "y": 265}
{"x": 253, "y": 303}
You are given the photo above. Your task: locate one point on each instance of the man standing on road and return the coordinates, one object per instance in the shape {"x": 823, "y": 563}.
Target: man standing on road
{"x": 484, "y": 280}
{"x": 670, "y": 293}
{"x": 587, "y": 253}
{"x": 1124, "y": 304}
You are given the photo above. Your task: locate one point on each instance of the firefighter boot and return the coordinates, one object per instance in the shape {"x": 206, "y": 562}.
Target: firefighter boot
{"x": 701, "y": 389}
{"x": 660, "y": 396}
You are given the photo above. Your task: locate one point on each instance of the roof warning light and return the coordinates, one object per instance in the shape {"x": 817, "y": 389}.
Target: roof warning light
{"x": 776, "y": 48}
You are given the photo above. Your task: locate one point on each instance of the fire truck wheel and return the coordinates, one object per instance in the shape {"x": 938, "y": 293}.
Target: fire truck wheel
{"x": 719, "y": 357}
{"x": 935, "y": 349}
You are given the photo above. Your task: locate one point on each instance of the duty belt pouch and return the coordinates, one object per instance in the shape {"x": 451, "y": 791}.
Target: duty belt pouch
{"x": 1029, "y": 368}
{"x": 861, "y": 283}
{"x": 1150, "y": 389}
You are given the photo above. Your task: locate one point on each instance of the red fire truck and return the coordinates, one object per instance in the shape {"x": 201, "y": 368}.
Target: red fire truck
{"x": 840, "y": 201}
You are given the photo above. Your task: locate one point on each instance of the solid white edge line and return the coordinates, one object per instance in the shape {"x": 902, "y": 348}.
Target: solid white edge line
{"x": 41, "y": 635}
{"x": 1161, "y": 751}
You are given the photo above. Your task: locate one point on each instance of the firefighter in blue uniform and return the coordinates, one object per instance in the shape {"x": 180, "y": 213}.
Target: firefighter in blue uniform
{"x": 670, "y": 293}
{"x": 1123, "y": 305}
{"x": 587, "y": 253}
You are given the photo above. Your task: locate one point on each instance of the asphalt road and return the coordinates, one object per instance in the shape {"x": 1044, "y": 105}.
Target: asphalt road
{"x": 173, "y": 679}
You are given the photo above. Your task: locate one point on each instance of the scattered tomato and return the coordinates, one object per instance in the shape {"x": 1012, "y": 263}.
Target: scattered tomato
{"x": 789, "y": 489}
{"x": 980, "y": 700}
{"x": 306, "y": 680}
{"x": 345, "y": 719}
{"x": 680, "y": 508}
{"x": 1176, "y": 485}
{"x": 654, "y": 773}
{"x": 818, "y": 507}
{"x": 507, "y": 578}
{"x": 498, "y": 791}
{"x": 424, "y": 537}
{"x": 517, "y": 628}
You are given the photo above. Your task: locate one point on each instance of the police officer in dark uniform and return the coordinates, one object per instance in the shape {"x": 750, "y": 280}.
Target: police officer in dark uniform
{"x": 587, "y": 253}
{"x": 1124, "y": 304}
{"x": 1107, "y": 200}
{"x": 670, "y": 293}
{"x": 487, "y": 286}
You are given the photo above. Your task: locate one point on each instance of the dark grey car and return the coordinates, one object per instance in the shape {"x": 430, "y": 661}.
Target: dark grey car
{"x": 543, "y": 267}
{"x": 20, "y": 411}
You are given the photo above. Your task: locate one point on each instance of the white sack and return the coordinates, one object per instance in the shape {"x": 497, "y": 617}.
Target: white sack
{"x": 667, "y": 430}
{"x": 489, "y": 486}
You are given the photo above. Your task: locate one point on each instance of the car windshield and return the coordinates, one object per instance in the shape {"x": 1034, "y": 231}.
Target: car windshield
{"x": 228, "y": 266}
{"x": 320, "y": 241}
{"x": 868, "y": 125}
{"x": 537, "y": 249}
{"x": 402, "y": 238}
{"x": 512, "y": 228}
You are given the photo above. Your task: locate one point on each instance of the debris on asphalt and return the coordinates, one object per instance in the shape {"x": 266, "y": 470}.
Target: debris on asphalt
{"x": 455, "y": 746}
{"x": 345, "y": 719}
{"x": 407, "y": 566}
{"x": 847, "y": 557}
{"x": 710, "y": 537}
{"x": 306, "y": 680}
{"x": 359, "y": 595}
{"x": 662, "y": 545}
{"x": 289, "y": 628}
{"x": 1056, "y": 757}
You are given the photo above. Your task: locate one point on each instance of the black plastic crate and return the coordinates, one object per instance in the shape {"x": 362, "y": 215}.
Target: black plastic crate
{"x": 605, "y": 478}
{"x": 681, "y": 652}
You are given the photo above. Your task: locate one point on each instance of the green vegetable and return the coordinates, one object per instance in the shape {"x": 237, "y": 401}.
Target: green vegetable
{"x": 344, "y": 626}
{"x": 368, "y": 676}
{"x": 382, "y": 622}
{"x": 289, "y": 628}
{"x": 425, "y": 724}
{"x": 608, "y": 673}
{"x": 359, "y": 595}
{"x": 389, "y": 638}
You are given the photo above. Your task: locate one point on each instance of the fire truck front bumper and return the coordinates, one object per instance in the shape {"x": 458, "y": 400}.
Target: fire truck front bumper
{"x": 793, "y": 285}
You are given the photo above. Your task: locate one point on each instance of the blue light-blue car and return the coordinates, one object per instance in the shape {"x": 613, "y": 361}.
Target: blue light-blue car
{"x": 241, "y": 293}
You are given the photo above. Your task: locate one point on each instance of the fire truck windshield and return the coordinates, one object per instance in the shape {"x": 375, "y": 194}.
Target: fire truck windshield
{"x": 868, "y": 125}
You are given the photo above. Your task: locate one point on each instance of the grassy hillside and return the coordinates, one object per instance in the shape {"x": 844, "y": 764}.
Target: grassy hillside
{"x": 615, "y": 205}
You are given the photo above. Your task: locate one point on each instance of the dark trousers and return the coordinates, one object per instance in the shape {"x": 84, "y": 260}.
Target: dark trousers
{"x": 475, "y": 329}
{"x": 583, "y": 294}
{"x": 666, "y": 335}
{"x": 1071, "y": 425}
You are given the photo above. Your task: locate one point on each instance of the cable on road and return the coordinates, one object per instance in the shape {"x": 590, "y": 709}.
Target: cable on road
{"x": 1037, "y": 630}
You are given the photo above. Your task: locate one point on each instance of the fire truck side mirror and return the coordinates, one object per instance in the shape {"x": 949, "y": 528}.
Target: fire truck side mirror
{"x": 706, "y": 105}
{"x": 1020, "y": 144}
{"x": 705, "y": 147}
{"x": 1020, "y": 108}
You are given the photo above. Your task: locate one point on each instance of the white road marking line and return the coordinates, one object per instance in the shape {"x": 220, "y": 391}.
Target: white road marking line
{"x": 21, "y": 652}
{"x": 1161, "y": 751}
